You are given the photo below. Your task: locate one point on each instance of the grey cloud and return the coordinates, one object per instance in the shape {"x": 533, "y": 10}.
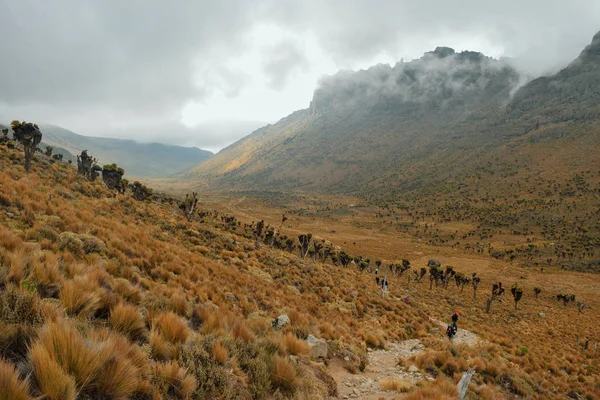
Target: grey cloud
{"x": 281, "y": 61}
{"x": 543, "y": 34}
{"x": 102, "y": 62}
{"x": 135, "y": 54}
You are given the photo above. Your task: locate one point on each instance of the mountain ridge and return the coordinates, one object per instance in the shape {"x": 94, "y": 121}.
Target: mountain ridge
{"x": 137, "y": 158}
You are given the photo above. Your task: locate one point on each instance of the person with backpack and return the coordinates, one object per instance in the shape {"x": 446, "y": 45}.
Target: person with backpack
{"x": 455, "y": 320}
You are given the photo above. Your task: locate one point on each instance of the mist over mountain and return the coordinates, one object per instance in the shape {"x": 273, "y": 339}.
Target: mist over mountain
{"x": 409, "y": 125}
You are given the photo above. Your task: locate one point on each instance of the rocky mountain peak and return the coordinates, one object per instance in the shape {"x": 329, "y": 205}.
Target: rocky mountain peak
{"x": 592, "y": 51}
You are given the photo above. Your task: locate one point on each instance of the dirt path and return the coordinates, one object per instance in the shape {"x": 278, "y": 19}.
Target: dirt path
{"x": 462, "y": 336}
{"x": 383, "y": 364}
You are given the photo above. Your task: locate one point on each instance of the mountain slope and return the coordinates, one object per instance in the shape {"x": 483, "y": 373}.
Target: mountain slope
{"x": 138, "y": 159}
{"x": 359, "y": 123}
{"x": 413, "y": 124}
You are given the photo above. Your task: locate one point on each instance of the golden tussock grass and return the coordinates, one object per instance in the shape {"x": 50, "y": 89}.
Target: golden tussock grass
{"x": 219, "y": 352}
{"x": 50, "y": 378}
{"x": 290, "y": 344}
{"x": 12, "y": 387}
{"x": 172, "y": 327}
{"x": 160, "y": 348}
{"x": 171, "y": 378}
{"x": 127, "y": 320}
{"x": 395, "y": 384}
{"x": 283, "y": 375}
{"x": 78, "y": 297}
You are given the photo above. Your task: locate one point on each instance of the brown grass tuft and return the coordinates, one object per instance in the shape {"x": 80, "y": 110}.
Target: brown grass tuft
{"x": 292, "y": 345}
{"x": 283, "y": 375}
{"x": 78, "y": 298}
{"x": 219, "y": 352}
{"x": 395, "y": 384}
{"x": 160, "y": 349}
{"x": 172, "y": 327}
{"x": 51, "y": 379}
{"x": 171, "y": 378}
{"x": 11, "y": 386}
{"x": 127, "y": 320}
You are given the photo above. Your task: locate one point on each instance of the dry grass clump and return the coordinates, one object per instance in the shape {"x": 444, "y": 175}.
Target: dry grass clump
{"x": 172, "y": 327}
{"x": 284, "y": 376}
{"x": 160, "y": 348}
{"x": 172, "y": 379}
{"x": 440, "y": 389}
{"x": 127, "y": 320}
{"x": 219, "y": 352}
{"x": 395, "y": 384}
{"x": 50, "y": 378}
{"x": 79, "y": 297}
{"x": 11, "y": 385}
{"x": 290, "y": 344}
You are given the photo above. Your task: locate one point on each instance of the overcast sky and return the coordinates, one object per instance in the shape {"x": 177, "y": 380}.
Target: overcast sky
{"x": 205, "y": 73}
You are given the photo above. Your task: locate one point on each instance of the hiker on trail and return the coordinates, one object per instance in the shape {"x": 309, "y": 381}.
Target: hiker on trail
{"x": 384, "y": 286}
{"x": 455, "y": 320}
{"x": 377, "y": 280}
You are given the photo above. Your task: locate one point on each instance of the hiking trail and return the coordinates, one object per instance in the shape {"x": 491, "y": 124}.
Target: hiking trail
{"x": 383, "y": 364}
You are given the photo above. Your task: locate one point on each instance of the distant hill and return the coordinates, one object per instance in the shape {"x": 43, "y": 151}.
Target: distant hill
{"x": 138, "y": 159}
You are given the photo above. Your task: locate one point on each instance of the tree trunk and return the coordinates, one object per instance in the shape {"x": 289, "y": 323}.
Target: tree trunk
{"x": 27, "y": 157}
{"x": 488, "y": 306}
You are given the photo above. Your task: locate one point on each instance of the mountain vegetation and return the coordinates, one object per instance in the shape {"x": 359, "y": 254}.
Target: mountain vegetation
{"x": 106, "y": 294}
{"x": 448, "y": 139}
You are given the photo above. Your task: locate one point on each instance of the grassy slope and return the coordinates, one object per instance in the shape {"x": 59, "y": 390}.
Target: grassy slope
{"x": 103, "y": 294}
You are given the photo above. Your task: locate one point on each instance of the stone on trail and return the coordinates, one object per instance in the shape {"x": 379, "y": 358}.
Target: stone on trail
{"x": 413, "y": 369}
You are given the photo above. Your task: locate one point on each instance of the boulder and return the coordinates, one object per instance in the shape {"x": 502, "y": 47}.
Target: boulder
{"x": 413, "y": 369}
{"x": 281, "y": 321}
{"x": 318, "y": 347}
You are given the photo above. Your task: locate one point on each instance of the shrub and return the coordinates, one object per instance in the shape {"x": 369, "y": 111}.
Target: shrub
{"x": 127, "y": 320}
{"x": 12, "y": 387}
{"x": 70, "y": 241}
{"x": 91, "y": 244}
{"x": 211, "y": 377}
{"x": 18, "y": 306}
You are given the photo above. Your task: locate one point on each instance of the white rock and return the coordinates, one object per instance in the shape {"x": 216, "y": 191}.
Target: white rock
{"x": 413, "y": 369}
{"x": 318, "y": 347}
{"x": 280, "y": 321}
